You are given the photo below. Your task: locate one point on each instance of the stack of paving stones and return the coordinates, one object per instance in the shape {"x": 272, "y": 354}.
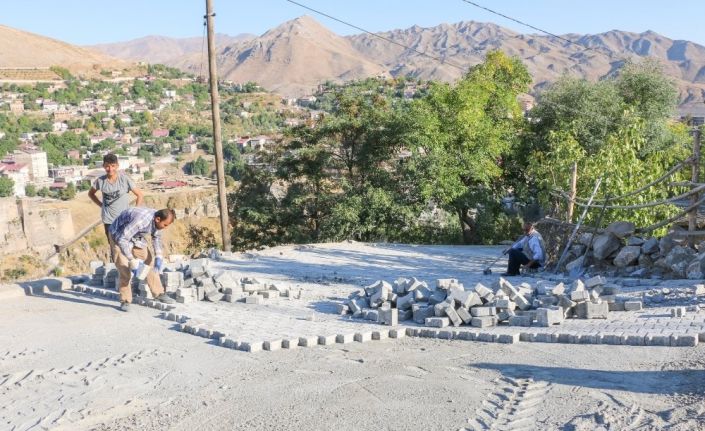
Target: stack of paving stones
{"x": 448, "y": 303}
{"x": 198, "y": 281}
{"x": 103, "y": 274}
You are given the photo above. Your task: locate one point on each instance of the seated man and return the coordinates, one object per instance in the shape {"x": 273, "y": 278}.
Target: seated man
{"x": 529, "y": 251}
{"x": 128, "y": 231}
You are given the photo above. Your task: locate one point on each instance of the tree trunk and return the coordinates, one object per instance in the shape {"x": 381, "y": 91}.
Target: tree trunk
{"x": 468, "y": 225}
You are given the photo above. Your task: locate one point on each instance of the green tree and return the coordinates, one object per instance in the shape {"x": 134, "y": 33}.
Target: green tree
{"x": 199, "y": 167}
{"x": 30, "y": 190}
{"x": 7, "y": 187}
{"x": 462, "y": 132}
{"x": 618, "y": 129}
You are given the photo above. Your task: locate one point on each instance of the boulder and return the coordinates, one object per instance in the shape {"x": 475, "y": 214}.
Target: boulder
{"x": 635, "y": 240}
{"x": 645, "y": 261}
{"x": 696, "y": 268}
{"x": 585, "y": 239}
{"x": 604, "y": 245}
{"x": 666, "y": 244}
{"x": 650, "y": 246}
{"x": 679, "y": 258}
{"x": 575, "y": 265}
{"x": 627, "y": 256}
{"x": 621, "y": 229}
{"x": 578, "y": 249}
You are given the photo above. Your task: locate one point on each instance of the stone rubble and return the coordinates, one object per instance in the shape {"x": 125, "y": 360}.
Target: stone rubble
{"x": 619, "y": 251}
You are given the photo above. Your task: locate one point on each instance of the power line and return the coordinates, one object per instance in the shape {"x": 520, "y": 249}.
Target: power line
{"x": 533, "y": 27}
{"x": 386, "y": 39}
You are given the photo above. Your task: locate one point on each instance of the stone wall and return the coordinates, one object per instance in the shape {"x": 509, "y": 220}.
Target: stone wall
{"x": 12, "y": 237}
{"x": 24, "y": 226}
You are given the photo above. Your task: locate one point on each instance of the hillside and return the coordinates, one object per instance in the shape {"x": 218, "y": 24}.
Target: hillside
{"x": 162, "y": 49}
{"x": 21, "y": 49}
{"x": 297, "y": 55}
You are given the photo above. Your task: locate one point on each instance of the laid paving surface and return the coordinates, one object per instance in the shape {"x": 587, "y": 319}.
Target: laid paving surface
{"x": 327, "y": 273}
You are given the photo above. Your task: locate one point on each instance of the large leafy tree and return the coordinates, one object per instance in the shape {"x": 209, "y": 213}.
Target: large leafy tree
{"x": 618, "y": 129}
{"x": 462, "y": 132}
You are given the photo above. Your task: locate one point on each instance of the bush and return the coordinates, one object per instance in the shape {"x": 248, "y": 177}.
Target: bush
{"x": 200, "y": 238}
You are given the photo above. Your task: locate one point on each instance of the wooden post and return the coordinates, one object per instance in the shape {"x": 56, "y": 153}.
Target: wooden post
{"x": 693, "y": 215}
{"x": 217, "y": 138}
{"x": 573, "y": 192}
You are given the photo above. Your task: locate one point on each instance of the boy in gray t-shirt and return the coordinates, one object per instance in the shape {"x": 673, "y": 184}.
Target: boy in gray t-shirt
{"x": 114, "y": 187}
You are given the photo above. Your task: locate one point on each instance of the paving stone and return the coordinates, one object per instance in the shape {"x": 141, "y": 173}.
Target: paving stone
{"x": 380, "y": 335}
{"x": 345, "y": 338}
{"x": 290, "y": 343}
{"x": 428, "y": 333}
{"x": 272, "y": 345}
{"x": 633, "y": 306}
{"x": 437, "y": 322}
{"x": 543, "y": 337}
{"x": 591, "y": 310}
{"x": 483, "y": 322}
{"x": 309, "y": 341}
{"x": 397, "y": 333}
{"x": 466, "y": 335}
{"x": 445, "y": 334}
{"x": 590, "y": 339}
{"x": 229, "y": 343}
{"x": 487, "y": 337}
{"x": 549, "y": 316}
{"x": 389, "y": 316}
{"x": 252, "y": 347}
{"x": 612, "y": 338}
{"x": 483, "y": 311}
{"x": 362, "y": 337}
{"x": 658, "y": 340}
{"x": 421, "y": 313}
{"x": 527, "y": 336}
{"x": 452, "y": 315}
{"x": 520, "y": 320}
{"x": 464, "y": 315}
{"x": 684, "y": 340}
{"x": 326, "y": 340}
{"x": 635, "y": 340}
{"x": 508, "y": 338}
{"x": 412, "y": 332}
{"x": 254, "y": 299}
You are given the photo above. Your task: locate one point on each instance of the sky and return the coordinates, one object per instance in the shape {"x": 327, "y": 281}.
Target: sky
{"x": 86, "y": 22}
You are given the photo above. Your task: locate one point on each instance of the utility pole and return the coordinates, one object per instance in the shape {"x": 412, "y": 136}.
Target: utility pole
{"x": 217, "y": 138}
{"x": 695, "y": 178}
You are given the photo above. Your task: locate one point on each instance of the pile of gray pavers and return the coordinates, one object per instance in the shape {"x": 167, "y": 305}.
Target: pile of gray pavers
{"x": 447, "y": 302}
{"x": 197, "y": 280}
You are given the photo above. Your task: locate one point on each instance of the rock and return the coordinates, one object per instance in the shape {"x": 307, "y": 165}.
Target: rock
{"x": 585, "y": 239}
{"x": 621, "y": 229}
{"x": 604, "y": 245}
{"x": 645, "y": 261}
{"x": 627, "y": 256}
{"x": 578, "y": 249}
{"x": 696, "y": 268}
{"x": 635, "y": 240}
{"x": 575, "y": 265}
{"x": 666, "y": 244}
{"x": 641, "y": 273}
{"x": 679, "y": 258}
{"x": 650, "y": 246}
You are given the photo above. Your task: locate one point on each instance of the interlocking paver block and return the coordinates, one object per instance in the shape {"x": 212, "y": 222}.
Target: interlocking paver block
{"x": 361, "y": 337}
{"x": 345, "y": 338}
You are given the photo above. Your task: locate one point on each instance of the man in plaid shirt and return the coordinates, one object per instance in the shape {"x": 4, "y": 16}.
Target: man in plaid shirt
{"x": 129, "y": 231}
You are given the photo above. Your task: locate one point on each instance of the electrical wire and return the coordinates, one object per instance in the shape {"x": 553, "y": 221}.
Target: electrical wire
{"x": 533, "y": 27}
{"x": 386, "y": 39}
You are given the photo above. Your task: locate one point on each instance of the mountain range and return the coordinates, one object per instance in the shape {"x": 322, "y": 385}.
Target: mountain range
{"x": 295, "y": 56}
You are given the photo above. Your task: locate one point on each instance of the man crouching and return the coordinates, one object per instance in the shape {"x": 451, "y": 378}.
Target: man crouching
{"x": 129, "y": 231}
